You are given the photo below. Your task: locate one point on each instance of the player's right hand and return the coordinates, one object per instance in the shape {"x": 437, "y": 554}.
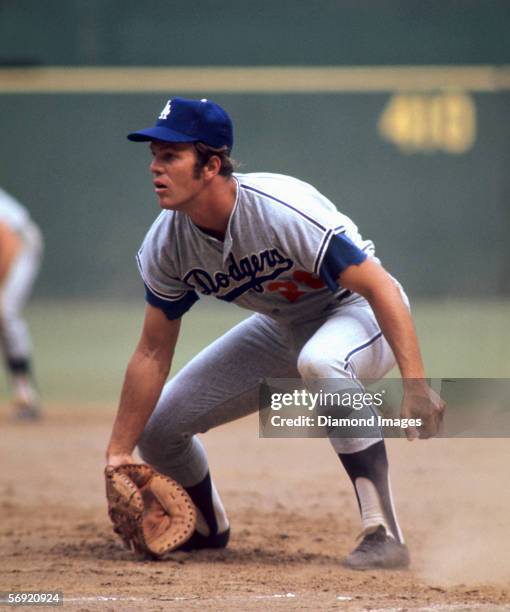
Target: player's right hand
{"x": 421, "y": 402}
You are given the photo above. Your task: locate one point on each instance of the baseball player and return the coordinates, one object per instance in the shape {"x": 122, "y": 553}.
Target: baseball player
{"x": 20, "y": 256}
{"x": 325, "y": 309}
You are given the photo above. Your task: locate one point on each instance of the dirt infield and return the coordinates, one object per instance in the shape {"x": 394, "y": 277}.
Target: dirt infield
{"x": 293, "y": 517}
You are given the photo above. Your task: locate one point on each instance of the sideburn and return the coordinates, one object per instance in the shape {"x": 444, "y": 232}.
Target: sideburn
{"x": 197, "y": 170}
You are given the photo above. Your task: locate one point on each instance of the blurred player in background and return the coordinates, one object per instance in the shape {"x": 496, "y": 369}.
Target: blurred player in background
{"x": 21, "y": 249}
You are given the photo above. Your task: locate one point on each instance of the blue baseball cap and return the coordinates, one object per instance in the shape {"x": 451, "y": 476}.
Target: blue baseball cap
{"x": 183, "y": 120}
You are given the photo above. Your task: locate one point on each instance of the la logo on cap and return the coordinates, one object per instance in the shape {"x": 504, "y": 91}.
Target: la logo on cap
{"x": 183, "y": 120}
{"x": 166, "y": 111}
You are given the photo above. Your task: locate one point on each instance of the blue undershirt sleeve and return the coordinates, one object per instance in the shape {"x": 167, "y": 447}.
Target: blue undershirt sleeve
{"x": 340, "y": 254}
{"x": 173, "y": 309}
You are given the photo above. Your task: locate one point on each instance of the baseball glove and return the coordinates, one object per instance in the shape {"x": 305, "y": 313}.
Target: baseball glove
{"x": 150, "y": 512}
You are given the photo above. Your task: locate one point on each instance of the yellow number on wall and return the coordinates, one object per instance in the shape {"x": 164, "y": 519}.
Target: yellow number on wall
{"x": 424, "y": 123}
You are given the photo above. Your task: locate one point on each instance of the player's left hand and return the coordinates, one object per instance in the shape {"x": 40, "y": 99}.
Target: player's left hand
{"x": 151, "y": 512}
{"x": 422, "y": 402}
{"x": 117, "y": 459}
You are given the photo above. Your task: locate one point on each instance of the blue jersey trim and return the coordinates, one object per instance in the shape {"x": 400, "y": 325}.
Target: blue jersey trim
{"x": 160, "y": 294}
{"x": 173, "y": 310}
{"x": 340, "y": 254}
{"x": 318, "y": 258}
{"x": 369, "y": 247}
{"x": 267, "y": 195}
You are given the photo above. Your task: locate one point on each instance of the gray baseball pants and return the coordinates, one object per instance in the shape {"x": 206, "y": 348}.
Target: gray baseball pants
{"x": 222, "y": 382}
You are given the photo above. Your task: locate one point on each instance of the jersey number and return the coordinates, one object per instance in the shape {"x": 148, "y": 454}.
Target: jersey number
{"x": 291, "y": 290}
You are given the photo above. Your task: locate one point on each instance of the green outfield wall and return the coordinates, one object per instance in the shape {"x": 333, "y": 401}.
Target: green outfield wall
{"x": 434, "y": 198}
{"x": 254, "y": 32}
{"x": 418, "y": 156}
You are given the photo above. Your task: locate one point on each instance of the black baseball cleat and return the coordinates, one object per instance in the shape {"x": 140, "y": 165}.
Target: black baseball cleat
{"x": 378, "y": 550}
{"x": 199, "y": 541}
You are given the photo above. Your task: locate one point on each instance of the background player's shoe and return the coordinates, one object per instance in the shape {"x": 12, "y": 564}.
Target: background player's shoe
{"x": 27, "y": 412}
{"x": 26, "y": 402}
{"x": 378, "y": 550}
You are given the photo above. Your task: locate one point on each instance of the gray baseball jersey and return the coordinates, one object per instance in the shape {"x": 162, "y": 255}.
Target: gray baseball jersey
{"x": 284, "y": 248}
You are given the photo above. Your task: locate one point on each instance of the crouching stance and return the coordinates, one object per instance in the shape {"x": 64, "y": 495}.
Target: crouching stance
{"x": 324, "y": 309}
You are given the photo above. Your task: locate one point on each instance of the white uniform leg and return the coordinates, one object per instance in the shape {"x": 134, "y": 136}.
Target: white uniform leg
{"x": 347, "y": 347}
{"x": 350, "y": 346}
{"x": 219, "y": 385}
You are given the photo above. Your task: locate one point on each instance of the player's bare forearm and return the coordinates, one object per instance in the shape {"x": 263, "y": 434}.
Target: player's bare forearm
{"x": 371, "y": 281}
{"x": 146, "y": 374}
{"x": 398, "y": 328}
{"x": 142, "y": 387}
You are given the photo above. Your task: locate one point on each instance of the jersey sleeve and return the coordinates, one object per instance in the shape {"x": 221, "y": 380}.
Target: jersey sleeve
{"x": 322, "y": 248}
{"x": 339, "y": 254}
{"x": 173, "y": 309}
{"x": 163, "y": 287}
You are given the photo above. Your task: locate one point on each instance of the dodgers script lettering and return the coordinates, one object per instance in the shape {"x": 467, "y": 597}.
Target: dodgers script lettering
{"x": 254, "y": 269}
